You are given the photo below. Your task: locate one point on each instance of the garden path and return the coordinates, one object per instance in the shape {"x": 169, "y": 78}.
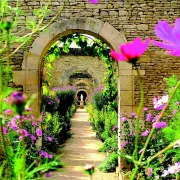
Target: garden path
{"x": 80, "y": 150}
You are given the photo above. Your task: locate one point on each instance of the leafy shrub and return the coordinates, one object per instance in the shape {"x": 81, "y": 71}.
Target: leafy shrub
{"x": 50, "y": 103}
{"x": 110, "y": 144}
{"x": 99, "y": 100}
{"x": 109, "y": 165}
{"x": 66, "y": 98}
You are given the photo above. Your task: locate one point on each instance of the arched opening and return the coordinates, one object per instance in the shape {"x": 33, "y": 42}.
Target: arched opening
{"x": 32, "y": 63}
{"x": 81, "y": 95}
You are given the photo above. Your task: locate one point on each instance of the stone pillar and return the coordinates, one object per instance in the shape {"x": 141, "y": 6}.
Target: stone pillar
{"x": 82, "y": 104}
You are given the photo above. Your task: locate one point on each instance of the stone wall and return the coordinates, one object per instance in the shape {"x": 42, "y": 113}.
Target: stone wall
{"x": 136, "y": 18}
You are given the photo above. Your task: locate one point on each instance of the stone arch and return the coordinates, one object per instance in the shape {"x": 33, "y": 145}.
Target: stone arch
{"x": 67, "y": 74}
{"x": 29, "y": 77}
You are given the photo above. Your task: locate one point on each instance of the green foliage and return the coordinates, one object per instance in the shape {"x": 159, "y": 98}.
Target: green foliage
{"x": 99, "y": 100}
{"x": 66, "y": 98}
{"x": 109, "y": 165}
{"x": 110, "y": 144}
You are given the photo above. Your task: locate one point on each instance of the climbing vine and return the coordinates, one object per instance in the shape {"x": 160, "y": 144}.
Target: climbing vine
{"x": 90, "y": 47}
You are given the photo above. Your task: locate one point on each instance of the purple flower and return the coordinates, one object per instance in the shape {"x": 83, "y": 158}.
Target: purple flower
{"x": 148, "y": 117}
{"x": 38, "y": 132}
{"x": 159, "y": 125}
{"x": 123, "y": 119}
{"x": 33, "y": 137}
{"x": 149, "y": 172}
{"x": 12, "y": 124}
{"x": 145, "y": 109}
{"x": 48, "y": 174}
{"x": 34, "y": 123}
{"x": 49, "y": 138}
{"x": 8, "y": 112}
{"x": 159, "y": 104}
{"x": 133, "y": 114}
{"x": 16, "y": 98}
{"x": 174, "y": 169}
{"x": 44, "y": 154}
{"x": 50, "y": 156}
{"x": 4, "y": 130}
{"x": 145, "y": 133}
{"x": 23, "y": 132}
{"x": 177, "y": 103}
{"x": 123, "y": 144}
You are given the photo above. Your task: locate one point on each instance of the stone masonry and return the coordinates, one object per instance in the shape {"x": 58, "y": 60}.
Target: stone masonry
{"x": 134, "y": 18}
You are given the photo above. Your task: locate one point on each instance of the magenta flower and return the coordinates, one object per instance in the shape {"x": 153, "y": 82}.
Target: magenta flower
{"x": 123, "y": 144}
{"x": 145, "y": 133}
{"x": 8, "y": 112}
{"x": 48, "y": 174}
{"x": 132, "y": 51}
{"x": 149, "y": 172}
{"x": 123, "y": 119}
{"x": 16, "y": 98}
{"x": 49, "y": 138}
{"x": 159, "y": 125}
{"x": 93, "y": 1}
{"x": 145, "y": 109}
{"x": 13, "y": 125}
{"x": 33, "y": 137}
{"x": 159, "y": 103}
{"x": 148, "y": 117}
{"x": 170, "y": 37}
{"x": 44, "y": 154}
{"x": 34, "y": 123}
{"x": 24, "y": 132}
{"x": 38, "y": 132}
{"x": 4, "y": 130}
{"x": 50, "y": 156}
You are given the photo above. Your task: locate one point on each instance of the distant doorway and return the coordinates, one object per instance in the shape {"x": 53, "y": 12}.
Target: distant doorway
{"x": 82, "y": 94}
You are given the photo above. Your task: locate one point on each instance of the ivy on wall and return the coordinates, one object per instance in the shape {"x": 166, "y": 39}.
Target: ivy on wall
{"x": 89, "y": 47}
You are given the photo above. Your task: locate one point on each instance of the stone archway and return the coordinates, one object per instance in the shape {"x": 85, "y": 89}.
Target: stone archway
{"x": 71, "y": 70}
{"x": 29, "y": 77}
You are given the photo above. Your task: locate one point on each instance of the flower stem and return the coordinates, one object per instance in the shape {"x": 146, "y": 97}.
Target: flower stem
{"x": 135, "y": 153}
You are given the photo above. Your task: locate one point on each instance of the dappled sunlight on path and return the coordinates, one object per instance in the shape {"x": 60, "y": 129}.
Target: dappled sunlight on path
{"x": 80, "y": 150}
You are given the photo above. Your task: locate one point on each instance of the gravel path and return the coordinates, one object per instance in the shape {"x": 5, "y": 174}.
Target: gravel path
{"x": 80, "y": 150}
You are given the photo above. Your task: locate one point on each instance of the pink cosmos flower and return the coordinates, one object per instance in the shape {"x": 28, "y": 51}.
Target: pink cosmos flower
{"x": 132, "y": 51}
{"x": 93, "y": 1}
{"x": 170, "y": 37}
{"x": 38, "y": 132}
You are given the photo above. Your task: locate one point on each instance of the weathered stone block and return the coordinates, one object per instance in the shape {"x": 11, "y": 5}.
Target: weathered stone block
{"x": 142, "y": 27}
